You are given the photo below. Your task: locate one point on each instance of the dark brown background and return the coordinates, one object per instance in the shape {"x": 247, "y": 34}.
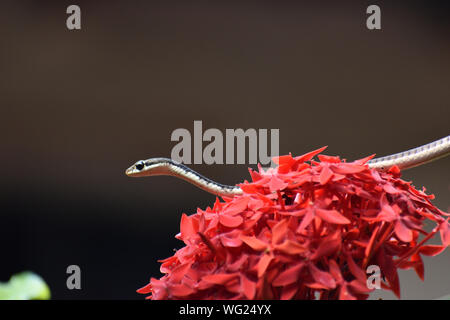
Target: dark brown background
{"x": 78, "y": 107}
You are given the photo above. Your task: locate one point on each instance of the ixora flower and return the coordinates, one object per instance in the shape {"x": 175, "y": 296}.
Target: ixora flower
{"x": 304, "y": 230}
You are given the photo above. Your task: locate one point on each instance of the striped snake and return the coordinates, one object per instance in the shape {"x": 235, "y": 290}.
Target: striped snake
{"x": 404, "y": 160}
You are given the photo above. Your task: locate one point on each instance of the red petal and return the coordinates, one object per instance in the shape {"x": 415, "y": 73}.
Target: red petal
{"x": 288, "y": 276}
{"x": 237, "y": 206}
{"x": 403, "y": 232}
{"x": 248, "y": 287}
{"x": 389, "y": 188}
{"x": 231, "y": 239}
{"x": 418, "y": 267}
{"x": 238, "y": 264}
{"x": 322, "y": 277}
{"x": 249, "y": 188}
{"x": 289, "y": 292}
{"x": 309, "y": 216}
{"x": 276, "y": 184}
{"x": 388, "y": 268}
{"x": 279, "y": 231}
{"x": 220, "y": 278}
{"x": 255, "y": 204}
{"x": 255, "y": 175}
{"x": 285, "y": 163}
{"x": 364, "y": 160}
{"x": 335, "y": 271}
{"x": 291, "y": 247}
{"x": 445, "y": 233}
{"x": 387, "y": 214}
{"x": 308, "y": 156}
{"x": 146, "y": 289}
{"x": 369, "y": 247}
{"x": 332, "y": 216}
{"x": 344, "y": 294}
{"x": 254, "y": 243}
{"x": 431, "y": 250}
{"x": 230, "y": 221}
{"x": 325, "y": 175}
{"x": 331, "y": 159}
{"x": 300, "y": 181}
{"x": 179, "y": 272}
{"x": 395, "y": 171}
{"x": 359, "y": 274}
{"x": 328, "y": 246}
{"x": 347, "y": 168}
{"x": 187, "y": 228}
{"x": 234, "y": 286}
{"x": 359, "y": 286}
{"x": 181, "y": 290}
{"x": 287, "y": 159}
{"x": 263, "y": 264}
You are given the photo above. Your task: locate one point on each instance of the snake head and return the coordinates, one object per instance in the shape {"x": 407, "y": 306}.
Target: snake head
{"x": 136, "y": 169}
{"x": 150, "y": 167}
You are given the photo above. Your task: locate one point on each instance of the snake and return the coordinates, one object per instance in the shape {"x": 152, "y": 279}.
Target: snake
{"x": 403, "y": 160}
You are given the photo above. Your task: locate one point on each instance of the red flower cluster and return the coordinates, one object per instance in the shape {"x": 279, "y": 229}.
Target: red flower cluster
{"x": 303, "y": 230}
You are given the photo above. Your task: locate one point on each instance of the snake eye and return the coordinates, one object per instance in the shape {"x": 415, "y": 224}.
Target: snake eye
{"x": 140, "y": 165}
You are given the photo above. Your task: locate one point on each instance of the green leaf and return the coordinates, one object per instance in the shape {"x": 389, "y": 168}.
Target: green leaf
{"x": 24, "y": 286}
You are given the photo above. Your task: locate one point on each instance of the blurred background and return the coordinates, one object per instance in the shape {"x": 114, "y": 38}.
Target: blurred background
{"x": 79, "y": 107}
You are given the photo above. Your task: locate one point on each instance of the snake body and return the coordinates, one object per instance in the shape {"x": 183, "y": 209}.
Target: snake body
{"x": 404, "y": 160}
{"x": 169, "y": 167}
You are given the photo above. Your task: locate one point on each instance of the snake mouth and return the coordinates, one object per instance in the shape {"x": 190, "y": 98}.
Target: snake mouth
{"x": 131, "y": 171}
{"x": 135, "y": 172}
